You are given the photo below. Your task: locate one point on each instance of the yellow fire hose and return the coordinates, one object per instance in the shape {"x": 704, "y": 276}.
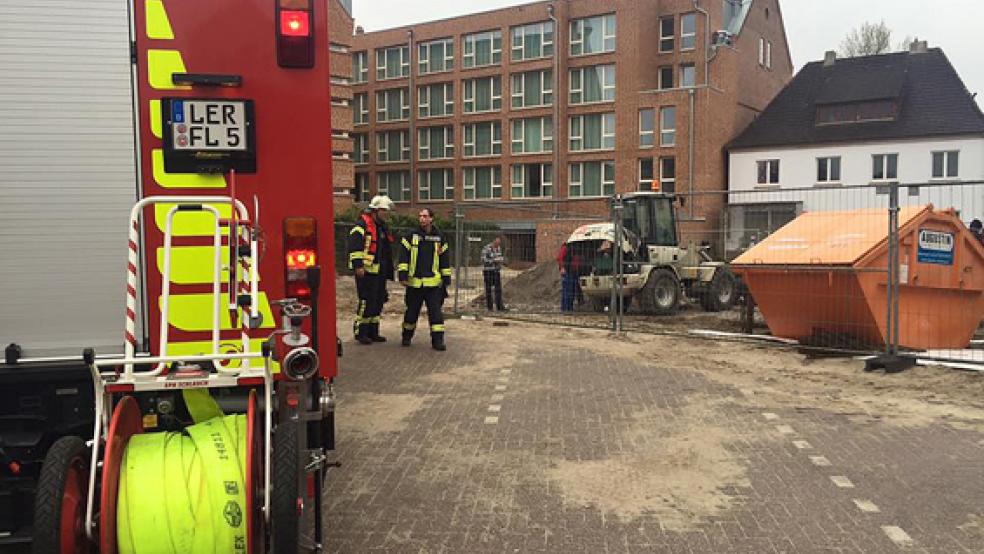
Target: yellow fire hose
{"x": 185, "y": 492}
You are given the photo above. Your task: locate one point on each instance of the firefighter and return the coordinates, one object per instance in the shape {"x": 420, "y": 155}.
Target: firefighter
{"x": 425, "y": 271}
{"x": 371, "y": 260}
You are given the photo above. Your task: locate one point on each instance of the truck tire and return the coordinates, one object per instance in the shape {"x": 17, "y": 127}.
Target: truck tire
{"x": 286, "y": 495}
{"x": 721, "y": 292}
{"x": 661, "y": 295}
{"x": 59, "y": 505}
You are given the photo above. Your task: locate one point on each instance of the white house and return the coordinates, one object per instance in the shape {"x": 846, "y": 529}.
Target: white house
{"x": 842, "y": 127}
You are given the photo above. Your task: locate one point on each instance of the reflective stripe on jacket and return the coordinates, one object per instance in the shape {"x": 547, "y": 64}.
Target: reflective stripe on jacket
{"x": 424, "y": 260}
{"x": 363, "y": 242}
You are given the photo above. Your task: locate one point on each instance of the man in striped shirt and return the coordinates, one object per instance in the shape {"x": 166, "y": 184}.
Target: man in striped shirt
{"x": 492, "y": 261}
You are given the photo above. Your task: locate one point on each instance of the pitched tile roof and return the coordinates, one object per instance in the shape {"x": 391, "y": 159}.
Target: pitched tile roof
{"x": 933, "y": 101}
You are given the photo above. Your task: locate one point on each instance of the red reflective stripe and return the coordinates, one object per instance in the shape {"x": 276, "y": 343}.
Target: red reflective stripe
{"x": 132, "y": 268}
{"x": 133, "y": 246}
{"x": 130, "y": 338}
{"x": 129, "y": 314}
{"x": 373, "y": 232}
{"x": 131, "y": 291}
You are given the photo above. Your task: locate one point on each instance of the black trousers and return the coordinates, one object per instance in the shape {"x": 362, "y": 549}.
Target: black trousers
{"x": 433, "y": 297}
{"x": 493, "y": 283}
{"x": 372, "y": 294}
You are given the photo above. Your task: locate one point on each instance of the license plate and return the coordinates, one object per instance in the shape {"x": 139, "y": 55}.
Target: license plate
{"x": 209, "y": 125}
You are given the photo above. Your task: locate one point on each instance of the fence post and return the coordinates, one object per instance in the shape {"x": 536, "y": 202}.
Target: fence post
{"x": 615, "y": 305}
{"x": 891, "y": 322}
{"x": 458, "y": 238}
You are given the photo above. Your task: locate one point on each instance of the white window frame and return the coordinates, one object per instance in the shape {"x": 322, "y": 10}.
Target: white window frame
{"x": 469, "y": 90}
{"x": 495, "y": 190}
{"x": 521, "y": 46}
{"x": 683, "y": 82}
{"x": 468, "y": 48}
{"x": 382, "y": 106}
{"x": 579, "y": 88}
{"x": 663, "y": 179}
{"x": 577, "y": 35}
{"x": 423, "y": 56}
{"x": 360, "y": 71}
{"x": 546, "y": 141}
{"x": 520, "y": 183}
{"x": 606, "y": 132}
{"x": 466, "y": 144}
{"x": 447, "y": 188}
{"x": 946, "y": 165}
{"x": 684, "y": 35}
{"x": 518, "y": 89}
{"x": 643, "y": 134}
{"x": 424, "y": 100}
{"x": 404, "y": 62}
{"x": 667, "y": 135}
{"x": 663, "y": 38}
{"x": 659, "y": 76}
{"x": 761, "y": 58}
{"x": 768, "y": 172}
{"x": 579, "y": 180}
{"x": 360, "y": 147}
{"x": 383, "y": 146}
{"x": 884, "y": 166}
{"x": 406, "y": 192}
{"x": 424, "y": 139}
{"x": 361, "y": 109}
{"x": 362, "y": 194}
{"x": 768, "y": 54}
{"x": 828, "y": 162}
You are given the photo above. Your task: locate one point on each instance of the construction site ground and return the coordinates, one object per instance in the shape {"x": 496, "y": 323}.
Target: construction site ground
{"x": 525, "y": 437}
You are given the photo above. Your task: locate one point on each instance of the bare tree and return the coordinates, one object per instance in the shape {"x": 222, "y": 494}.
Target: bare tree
{"x": 867, "y": 40}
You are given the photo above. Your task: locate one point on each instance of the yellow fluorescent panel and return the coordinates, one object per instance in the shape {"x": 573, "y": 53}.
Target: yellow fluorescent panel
{"x": 158, "y": 26}
{"x": 156, "y": 126}
{"x": 193, "y": 312}
{"x": 194, "y": 348}
{"x": 161, "y": 64}
{"x": 182, "y": 180}
{"x": 192, "y": 265}
{"x": 190, "y": 224}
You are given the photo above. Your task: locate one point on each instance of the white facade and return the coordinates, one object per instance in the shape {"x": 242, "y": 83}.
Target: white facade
{"x": 759, "y": 209}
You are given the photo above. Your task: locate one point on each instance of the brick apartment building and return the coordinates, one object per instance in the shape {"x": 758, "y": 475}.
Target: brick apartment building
{"x": 340, "y": 27}
{"x": 557, "y": 105}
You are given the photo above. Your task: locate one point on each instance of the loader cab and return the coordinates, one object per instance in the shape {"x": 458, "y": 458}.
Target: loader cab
{"x": 651, "y": 216}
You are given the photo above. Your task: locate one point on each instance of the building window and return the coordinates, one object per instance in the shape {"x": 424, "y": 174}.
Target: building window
{"x": 361, "y": 190}
{"x": 360, "y": 149}
{"x": 592, "y": 132}
{"x": 532, "y": 181}
{"x": 435, "y": 56}
{"x": 885, "y": 167}
{"x": 533, "y": 88}
{"x": 393, "y": 146}
{"x": 360, "y": 67}
{"x": 667, "y": 126}
{"x": 395, "y": 184}
{"x": 768, "y": 172}
{"x": 666, "y": 38}
{"x": 482, "y": 182}
{"x": 482, "y": 95}
{"x": 688, "y": 31}
{"x": 360, "y": 108}
{"x": 533, "y": 41}
{"x": 946, "y": 164}
{"x": 393, "y": 63}
{"x": 768, "y": 54}
{"x": 591, "y": 179}
{"x": 435, "y": 100}
{"x": 593, "y": 84}
{"x": 647, "y": 127}
{"x": 482, "y": 139}
{"x": 392, "y": 105}
{"x": 829, "y": 170}
{"x": 435, "y": 184}
{"x": 435, "y": 143}
{"x": 666, "y": 77}
{"x": 688, "y": 75}
{"x": 532, "y": 135}
{"x": 481, "y": 49}
{"x": 667, "y": 175}
{"x": 762, "y": 51}
{"x": 646, "y": 175}
{"x": 857, "y": 112}
{"x": 593, "y": 35}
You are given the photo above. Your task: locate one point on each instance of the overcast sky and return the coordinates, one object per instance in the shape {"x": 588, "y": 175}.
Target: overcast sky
{"x": 811, "y": 26}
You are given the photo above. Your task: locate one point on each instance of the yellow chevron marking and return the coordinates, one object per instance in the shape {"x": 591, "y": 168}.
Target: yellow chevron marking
{"x": 158, "y": 25}
{"x": 156, "y": 125}
{"x": 193, "y": 348}
{"x": 161, "y": 64}
{"x": 190, "y": 224}
{"x": 182, "y": 180}
{"x": 192, "y": 265}
{"x": 193, "y": 312}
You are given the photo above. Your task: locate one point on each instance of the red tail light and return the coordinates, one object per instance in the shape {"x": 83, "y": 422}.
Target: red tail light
{"x": 300, "y": 255}
{"x": 295, "y": 33}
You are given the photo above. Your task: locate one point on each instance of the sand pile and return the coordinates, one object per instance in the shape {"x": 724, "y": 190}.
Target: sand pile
{"x": 537, "y": 286}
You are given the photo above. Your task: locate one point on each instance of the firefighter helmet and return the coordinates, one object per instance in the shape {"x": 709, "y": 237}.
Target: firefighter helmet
{"x": 381, "y": 202}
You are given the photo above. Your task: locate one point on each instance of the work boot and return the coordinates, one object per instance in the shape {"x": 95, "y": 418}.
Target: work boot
{"x": 374, "y": 333}
{"x": 405, "y": 341}
{"x": 363, "y": 339}
{"x": 437, "y": 343}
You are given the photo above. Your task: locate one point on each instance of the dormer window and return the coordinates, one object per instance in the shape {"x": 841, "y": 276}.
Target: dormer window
{"x": 857, "y": 112}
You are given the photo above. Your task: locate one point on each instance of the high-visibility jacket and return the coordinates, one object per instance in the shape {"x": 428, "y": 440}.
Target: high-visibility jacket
{"x": 424, "y": 259}
{"x": 368, "y": 246}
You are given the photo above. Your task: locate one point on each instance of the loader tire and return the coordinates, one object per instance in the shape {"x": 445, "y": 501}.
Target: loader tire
{"x": 59, "y": 504}
{"x": 661, "y": 295}
{"x": 721, "y": 292}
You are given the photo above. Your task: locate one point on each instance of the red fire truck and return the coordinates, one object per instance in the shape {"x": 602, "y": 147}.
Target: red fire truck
{"x": 165, "y": 244}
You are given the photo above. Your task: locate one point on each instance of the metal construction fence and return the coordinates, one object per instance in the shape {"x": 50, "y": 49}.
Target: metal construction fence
{"x": 881, "y": 268}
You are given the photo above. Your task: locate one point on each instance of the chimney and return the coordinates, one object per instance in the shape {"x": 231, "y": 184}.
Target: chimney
{"x": 918, "y": 47}
{"x": 829, "y": 58}
{"x": 359, "y": 30}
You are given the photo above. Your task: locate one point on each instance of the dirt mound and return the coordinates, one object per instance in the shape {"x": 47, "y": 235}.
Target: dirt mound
{"x": 538, "y": 286}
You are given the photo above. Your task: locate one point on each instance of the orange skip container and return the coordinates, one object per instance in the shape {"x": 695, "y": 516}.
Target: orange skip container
{"x": 825, "y": 274}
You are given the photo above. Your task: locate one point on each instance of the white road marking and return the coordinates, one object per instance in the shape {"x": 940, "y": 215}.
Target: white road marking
{"x": 495, "y": 408}
{"x": 897, "y": 535}
{"x": 770, "y": 416}
{"x": 785, "y": 429}
{"x": 842, "y": 482}
{"x": 491, "y": 420}
{"x": 820, "y": 461}
{"x": 504, "y": 379}
{"x": 498, "y": 397}
{"x": 866, "y": 506}
{"x": 802, "y": 445}
{"x": 505, "y": 371}
{"x": 500, "y": 387}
